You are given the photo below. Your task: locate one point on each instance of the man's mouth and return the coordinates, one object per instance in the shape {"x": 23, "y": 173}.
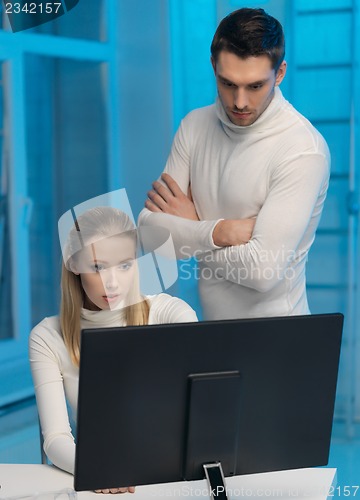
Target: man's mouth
{"x": 241, "y": 113}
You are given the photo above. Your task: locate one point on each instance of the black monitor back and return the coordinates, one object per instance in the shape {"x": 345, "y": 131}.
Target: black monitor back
{"x": 135, "y": 388}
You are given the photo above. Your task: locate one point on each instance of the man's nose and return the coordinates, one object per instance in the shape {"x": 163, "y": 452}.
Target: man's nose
{"x": 240, "y": 98}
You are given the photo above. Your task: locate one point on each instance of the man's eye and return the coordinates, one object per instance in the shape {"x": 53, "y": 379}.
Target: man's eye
{"x": 228, "y": 84}
{"x": 256, "y": 87}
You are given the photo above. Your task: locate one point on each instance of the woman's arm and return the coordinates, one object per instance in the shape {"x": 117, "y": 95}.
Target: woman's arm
{"x": 59, "y": 444}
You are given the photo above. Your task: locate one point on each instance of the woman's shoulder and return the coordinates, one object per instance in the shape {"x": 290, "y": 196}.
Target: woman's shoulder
{"x": 163, "y": 299}
{"x": 46, "y": 344}
{"x": 165, "y": 308}
{"x": 48, "y": 330}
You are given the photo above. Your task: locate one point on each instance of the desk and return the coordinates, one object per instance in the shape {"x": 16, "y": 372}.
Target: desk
{"x": 16, "y": 479}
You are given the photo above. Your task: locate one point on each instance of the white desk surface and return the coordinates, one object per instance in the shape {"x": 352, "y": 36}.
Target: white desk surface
{"x": 18, "y": 479}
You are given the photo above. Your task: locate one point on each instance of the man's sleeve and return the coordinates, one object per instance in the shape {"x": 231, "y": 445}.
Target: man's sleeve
{"x": 190, "y": 237}
{"x": 297, "y": 192}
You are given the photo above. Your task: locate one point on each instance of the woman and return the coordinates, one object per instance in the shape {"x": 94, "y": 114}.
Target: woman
{"x": 99, "y": 288}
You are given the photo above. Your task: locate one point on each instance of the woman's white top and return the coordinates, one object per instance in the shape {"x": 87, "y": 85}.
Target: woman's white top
{"x": 56, "y": 378}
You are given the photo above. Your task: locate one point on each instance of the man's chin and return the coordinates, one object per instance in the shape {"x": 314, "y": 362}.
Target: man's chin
{"x": 242, "y": 122}
{"x": 240, "y": 119}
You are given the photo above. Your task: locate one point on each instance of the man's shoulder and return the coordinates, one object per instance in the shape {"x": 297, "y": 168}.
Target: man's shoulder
{"x": 202, "y": 114}
{"x": 306, "y": 134}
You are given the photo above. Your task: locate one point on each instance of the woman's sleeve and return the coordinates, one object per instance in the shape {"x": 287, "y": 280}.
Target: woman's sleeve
{"x": 59, "y": 444}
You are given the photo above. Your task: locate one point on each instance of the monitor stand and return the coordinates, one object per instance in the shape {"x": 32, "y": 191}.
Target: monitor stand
{"x": 211, "y": 436}
{"x": 216, "y": 481}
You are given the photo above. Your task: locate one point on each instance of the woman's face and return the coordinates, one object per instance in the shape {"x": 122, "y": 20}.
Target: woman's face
{"x": 107, "y": 271}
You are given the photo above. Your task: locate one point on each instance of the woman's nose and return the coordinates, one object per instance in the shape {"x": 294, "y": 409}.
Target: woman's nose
{"x": 110, "y": 279}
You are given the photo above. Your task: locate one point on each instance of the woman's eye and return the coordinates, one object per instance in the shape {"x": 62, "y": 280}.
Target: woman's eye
{"x": 96, "y": 268}
{"x": 125, "y": 266}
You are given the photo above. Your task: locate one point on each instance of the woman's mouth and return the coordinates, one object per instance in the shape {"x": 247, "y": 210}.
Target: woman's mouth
{"x": 111, "y": 298}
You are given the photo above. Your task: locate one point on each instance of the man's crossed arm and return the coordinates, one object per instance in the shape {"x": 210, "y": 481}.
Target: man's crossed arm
{"x": 168, "y": 198}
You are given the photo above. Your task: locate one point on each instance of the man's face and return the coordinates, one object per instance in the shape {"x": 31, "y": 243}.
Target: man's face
{"x": 246, "y": 86}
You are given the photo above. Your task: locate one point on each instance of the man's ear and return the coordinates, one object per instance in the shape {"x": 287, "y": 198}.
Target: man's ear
{"x": 213, "y": 64}
{"x": 280, "y": 74}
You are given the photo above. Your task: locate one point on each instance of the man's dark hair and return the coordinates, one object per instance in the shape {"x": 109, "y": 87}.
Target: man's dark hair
{"x": 250, "y": 32}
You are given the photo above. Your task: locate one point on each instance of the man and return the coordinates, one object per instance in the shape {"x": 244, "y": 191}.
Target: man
{"x": 245, "y": 183}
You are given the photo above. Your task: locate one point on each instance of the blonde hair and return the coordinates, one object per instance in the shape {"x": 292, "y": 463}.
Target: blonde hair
{"x": 93, "y": 225}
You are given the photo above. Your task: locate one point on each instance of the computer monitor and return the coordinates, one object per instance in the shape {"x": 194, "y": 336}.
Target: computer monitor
{"x": 158, "y": 402}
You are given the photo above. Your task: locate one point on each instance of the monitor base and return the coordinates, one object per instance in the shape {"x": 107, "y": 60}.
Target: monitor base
{"x": 216, "y": 481}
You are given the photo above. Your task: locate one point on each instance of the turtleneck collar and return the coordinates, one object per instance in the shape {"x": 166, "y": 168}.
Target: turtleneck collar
{"x": 102, "y": 319}
{"x": 265, "y": 118}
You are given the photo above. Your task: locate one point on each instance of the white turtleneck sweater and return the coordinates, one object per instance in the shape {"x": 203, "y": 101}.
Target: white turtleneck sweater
{"x": 56, "y": 378}
{"x": 276, "y": 170}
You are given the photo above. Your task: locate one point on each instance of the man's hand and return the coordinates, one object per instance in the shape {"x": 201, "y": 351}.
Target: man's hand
{"x": 231, "y": 232}
{"x": 130, "y": 489}
{"x": 170, "y": 199}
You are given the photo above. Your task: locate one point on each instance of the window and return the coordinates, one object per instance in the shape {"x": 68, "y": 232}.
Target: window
{"x": 58, "y": 127}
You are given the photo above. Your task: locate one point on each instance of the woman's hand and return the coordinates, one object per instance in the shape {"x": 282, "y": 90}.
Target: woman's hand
{"x": 130, "y": 489}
